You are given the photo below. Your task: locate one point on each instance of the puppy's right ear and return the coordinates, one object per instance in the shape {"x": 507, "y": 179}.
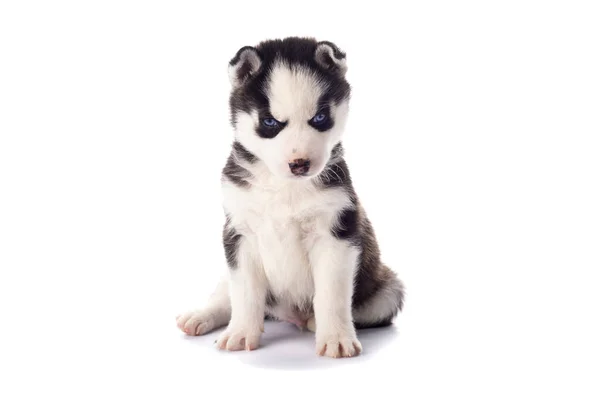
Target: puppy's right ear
{"x": 244, "y": 65}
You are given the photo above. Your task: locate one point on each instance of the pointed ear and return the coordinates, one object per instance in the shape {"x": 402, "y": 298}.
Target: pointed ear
{"x": 244, "y": 65}
{"x": 330, "y": 57}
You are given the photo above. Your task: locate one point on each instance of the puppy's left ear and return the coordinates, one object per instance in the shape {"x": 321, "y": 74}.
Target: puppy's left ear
{"x": 330, "y": 57}
{"x": 244, "y": 65}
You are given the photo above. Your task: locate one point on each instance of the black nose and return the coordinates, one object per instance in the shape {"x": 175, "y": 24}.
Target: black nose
{"x": 299, "y": 166}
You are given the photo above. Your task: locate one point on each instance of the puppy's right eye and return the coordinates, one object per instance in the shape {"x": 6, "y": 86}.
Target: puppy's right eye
{"x": 270, "y": 122}
{"x": 268, "y": 127}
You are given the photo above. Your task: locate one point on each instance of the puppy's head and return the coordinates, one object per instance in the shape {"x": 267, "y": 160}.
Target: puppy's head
{"x": 289, "y": 103}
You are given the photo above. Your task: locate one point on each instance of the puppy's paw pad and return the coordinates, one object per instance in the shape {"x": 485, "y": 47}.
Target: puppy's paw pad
{"x": 234, "y": 339}
{"x": 195, "y": 323}
{"x": 338, "y": 345}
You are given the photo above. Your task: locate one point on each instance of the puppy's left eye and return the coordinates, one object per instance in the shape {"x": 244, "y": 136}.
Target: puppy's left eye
{"x": 319, "y": 119}
{"x": 322, "y": 121}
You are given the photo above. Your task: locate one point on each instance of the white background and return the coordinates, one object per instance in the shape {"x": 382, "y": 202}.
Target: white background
{"x": 473, "y": 142}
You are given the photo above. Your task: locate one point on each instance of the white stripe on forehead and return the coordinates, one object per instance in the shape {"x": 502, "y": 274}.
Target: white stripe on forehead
{"x": 293, "y": 93}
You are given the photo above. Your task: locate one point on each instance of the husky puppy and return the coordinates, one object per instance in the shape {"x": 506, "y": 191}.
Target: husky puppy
{"x": 297, "y": 241}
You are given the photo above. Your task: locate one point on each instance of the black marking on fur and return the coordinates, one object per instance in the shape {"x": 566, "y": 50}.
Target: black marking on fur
{"x": 250, "y": 96}
{"x": 379, "y": 324}
{"x": 390, "y": 282}
{"x": 370, "y": 276}
{"x": 337, "y": 152}
{"x": 233, "y": 171}
{"x": 271, "y": 300}
{"x": 336, "y": 174}
{"x": 243, "y": 153}
{"x": 347, "y": 225}
{"x": 231, "y": 240}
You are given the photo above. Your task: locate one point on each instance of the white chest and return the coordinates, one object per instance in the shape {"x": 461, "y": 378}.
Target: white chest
{"x": 281, "y": 223}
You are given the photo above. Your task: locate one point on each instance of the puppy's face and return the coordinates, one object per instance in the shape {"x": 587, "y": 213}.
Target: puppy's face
{"x": 289, "y": 104}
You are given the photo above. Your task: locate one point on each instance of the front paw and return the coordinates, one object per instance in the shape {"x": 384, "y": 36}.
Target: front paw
{"x": 195, "y": 323}
{"x": 235, "y": 338}
{"x": 338, "y": 344}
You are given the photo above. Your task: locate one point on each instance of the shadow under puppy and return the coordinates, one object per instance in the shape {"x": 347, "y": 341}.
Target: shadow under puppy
{"x": 298, "y": 243}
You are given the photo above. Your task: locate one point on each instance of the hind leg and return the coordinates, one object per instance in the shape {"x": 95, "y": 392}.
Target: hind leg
{"x": 214, "y": 315}
{"x": 382, "y": 307}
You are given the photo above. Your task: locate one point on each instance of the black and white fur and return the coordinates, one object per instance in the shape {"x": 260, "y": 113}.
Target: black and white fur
{"x": 299, "y": 246}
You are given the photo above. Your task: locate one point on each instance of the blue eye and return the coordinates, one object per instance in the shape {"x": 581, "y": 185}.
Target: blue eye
{"x": 270, "y": 122}
{"x": 319, "y": 118}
